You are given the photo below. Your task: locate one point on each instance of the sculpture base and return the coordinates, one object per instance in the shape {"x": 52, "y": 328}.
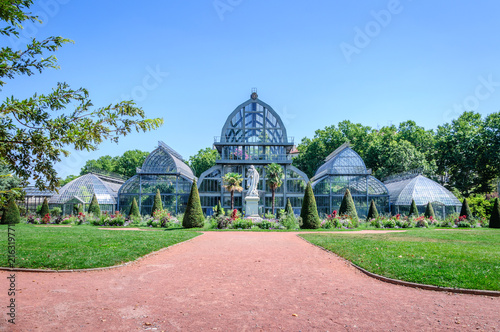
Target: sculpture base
{"x": 252, "y": 206}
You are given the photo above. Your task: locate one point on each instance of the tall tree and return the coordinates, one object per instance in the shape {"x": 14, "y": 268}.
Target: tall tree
{"x": 157, "y": 203}
{"x": 232, "y": 183}
{"x": 203, "y": 160}
{"x": 309, "y": 212}
{"x": 94, "y": 207}
{"x": 35, "y": 132}
{"x": 193, "y": 217}
{"x": 347, "y": 206}
{"x": 274, "y": 179}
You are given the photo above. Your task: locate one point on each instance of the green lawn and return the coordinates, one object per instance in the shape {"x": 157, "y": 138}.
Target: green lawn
{"x": 80, "y": 247}
{"x": 447, "y": 258}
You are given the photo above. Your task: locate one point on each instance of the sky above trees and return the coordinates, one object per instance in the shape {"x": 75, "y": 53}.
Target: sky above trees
{"x": 374, "y": 62}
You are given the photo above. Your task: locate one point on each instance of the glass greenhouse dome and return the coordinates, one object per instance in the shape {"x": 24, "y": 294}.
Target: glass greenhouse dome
{"x": 344, "y": 169}
{"x": 163, "y": 169}
{"x": 253, "y": 134}
{"x": 81, "y": 190}
{"x": 404, "y": 188}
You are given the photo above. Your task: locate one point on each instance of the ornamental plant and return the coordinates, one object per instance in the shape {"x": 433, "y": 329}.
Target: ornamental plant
{"x": 46, "y": 218}
{"x": 465, "y": 211}
{"x": 429, "y": 212}
{"x": 157, "y": 204}
{"x": 495, "y": 215}
{"x": 134, "y": 209}
{"x": 347, "y": 206}
{"x": 94, "y": 207}
{"x": 193, "y": 217}
{"x": 309, "y": 213}
{"x": 45, "y": 208}
{"x": 11, "y": 213}
{"x": 413, "y": 209}
{"x": 219, "y": 211}
{"x": 372, "y": 211}
{"x": 289, "y": 208}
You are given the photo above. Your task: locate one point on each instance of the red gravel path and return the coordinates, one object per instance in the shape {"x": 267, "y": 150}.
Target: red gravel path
{"x": 238, "y": 281}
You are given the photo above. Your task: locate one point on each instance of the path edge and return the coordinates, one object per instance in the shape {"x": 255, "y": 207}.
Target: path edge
{"x": 20, "y": 269}
{"x": 407, "y": 283}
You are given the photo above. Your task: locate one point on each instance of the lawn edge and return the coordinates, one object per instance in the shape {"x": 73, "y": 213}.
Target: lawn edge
{"x": 20, "y": 269}
{"x": 481, "y": 292}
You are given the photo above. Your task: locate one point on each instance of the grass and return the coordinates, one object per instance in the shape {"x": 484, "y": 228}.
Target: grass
{"x": 448, "y": 258}
{"x": 81, "y": 247}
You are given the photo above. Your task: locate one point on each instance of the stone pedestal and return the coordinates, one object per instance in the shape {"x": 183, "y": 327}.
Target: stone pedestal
{"x": 252, "y": 206}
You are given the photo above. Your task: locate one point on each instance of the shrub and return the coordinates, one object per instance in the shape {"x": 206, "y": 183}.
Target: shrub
{"x": 480, "y": 205}
{"x": 222, "y": 221}
{"x": 265, "y": 224}
{"x": 242, "y": 224}
{"x": 413, "y": 209}
{"x": 269, "y": 215}
{"x": 162, "y": 216}
{"x": 289, "y": 221}
{"x": 389, "y": 223}
{"x": 495, "y": 215}
{"x": 11, "y": 213}
{"x": 429, "y": 211}
{"x": 56, "y": 212}
{"x": 219, "y": 210}
{"x": 134, "y": 209}
{"x": 193, "y": 216}
{"x": 289, "y": 209}
{"x": 347, "y": 206}
{"x": 309, "y": 213}
{"x": 157, "y": 204}
{"x": 44, "y": 210}
{"x": 94, "y": 207}
{"x": 372, "y": 211}
{"x": 46, "y": 218}
{"x": 465, "y": 211}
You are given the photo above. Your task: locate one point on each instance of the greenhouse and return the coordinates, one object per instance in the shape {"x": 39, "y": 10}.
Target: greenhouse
{"x": 253, "y": 134}
{"x": 344, "y": 169}
{"x": 403, "y": 188}
{"x": 34, "y": 197}
{"x": 80, "y": 191}
{"x": 165, "y": 170}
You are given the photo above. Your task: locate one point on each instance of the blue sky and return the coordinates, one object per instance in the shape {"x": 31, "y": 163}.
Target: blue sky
{"x": 316, "y": 63}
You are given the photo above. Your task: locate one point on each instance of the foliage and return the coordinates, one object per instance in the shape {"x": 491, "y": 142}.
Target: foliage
{"x": 9, "y": 184}
{"x": 413, "y": 209}
{"x": 289, "y": 221}
{"x": 157, "y": 204}
{"x": 232, "y": 183}
{"x": 134, "y": 209}
{"x": 480, "y": 205}
{"x": 309, "y": 213}
{"x": 125, "y": 164}
{"x": 193, "y": 216}
{"x": 203, "y": 161}
{"x": 36, "y": 132}
{"x": 11, "y": 213}
{"x": 55, "y": 212}
{"x": 289, "y": 208}
{"x": 44, "y": 208}
{"x": 219, "y": 210}
{"x": 347, "y": 206}
{"x": 274, "y": 175}
{"x": 465, "y": 210}
{"x": 495, "y": 215}
{"x": 372, "y": 211}
{"x": 429, "y": 211}
{"x": 242, "y": 224}
{"x": 106, "y": 219}
{"x": 94, "y": 207}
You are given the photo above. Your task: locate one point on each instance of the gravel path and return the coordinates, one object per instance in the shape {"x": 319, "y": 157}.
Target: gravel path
{"x": 238, "y": 281}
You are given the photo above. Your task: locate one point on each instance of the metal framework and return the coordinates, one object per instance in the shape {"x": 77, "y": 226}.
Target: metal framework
{"x": 344, "y": 169}
{"x": 253, "y": 134}
{"x": 163, "y": 169}
{"x": 34, "y": 197}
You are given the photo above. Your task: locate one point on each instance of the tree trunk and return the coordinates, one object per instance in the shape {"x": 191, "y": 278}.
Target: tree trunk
{"x": 272, "y": 198}
{"x": 232, "y": 200}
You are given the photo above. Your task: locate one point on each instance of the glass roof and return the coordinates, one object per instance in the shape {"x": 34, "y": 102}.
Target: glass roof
{"x": 421, "y": 189}
{"x": 355, "y": 183}
{"x": 343, "y": 161}
{"x": 165, "y": 160}
{"x": 84, "y": 187}
{"x": 34, "y": 191}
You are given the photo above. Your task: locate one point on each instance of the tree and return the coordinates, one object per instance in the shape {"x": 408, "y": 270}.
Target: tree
{"x": 495, "y": 215}
{"x": 11, "y": 213}
{"x": 232, "y": 183}
{"x": 218, "y": 209}
{"x": 128, "y": 163}
{"x": 9, "y": 185}
{"x": 309, "y": 213}
{"x": 134, "y": 209}
{"x": 45, "y": 208}
{"x": 274, "y": 174}
{"x": 193, "y": 216}
{"x": 347, "y": 206}
{"x": 429, "y": 211}
{"x": 35, "y": 132}
{"x": 289, "y": 208}
{"x": 94, "y": 207}
{"x": 465, "y": 210}
{"x": 413, "y": 209}
{"x": 157, "y": 204}
{"x": 68, "y": 179}
{"x": 372, "y": 211}
{"x": 203, "y": 160}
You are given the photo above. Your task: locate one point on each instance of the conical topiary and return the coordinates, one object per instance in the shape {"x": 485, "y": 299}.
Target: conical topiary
{"x": 309, "y": 213}
{"x": 94, "y": 207}
{"x": 289, "y": 208}
{"x": 193, "y": 217}
{"x": 134, "y": 209}
{"x": 429, "y": 211}
{"x": 45, "y": 208}
{"x": 11, "y": 213}
{"x": 157, "y": 204}
{"x": 495, "y": 215}
{"x": 465, "y": 211}
{"x": 372, "y": 211}
{"x": 219, "y": 212}
{"x": 347, "y": 206}
{"x": 413, "y": 209}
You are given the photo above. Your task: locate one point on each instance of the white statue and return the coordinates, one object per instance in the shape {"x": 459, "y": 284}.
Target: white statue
{"x": 253, "y": 181}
